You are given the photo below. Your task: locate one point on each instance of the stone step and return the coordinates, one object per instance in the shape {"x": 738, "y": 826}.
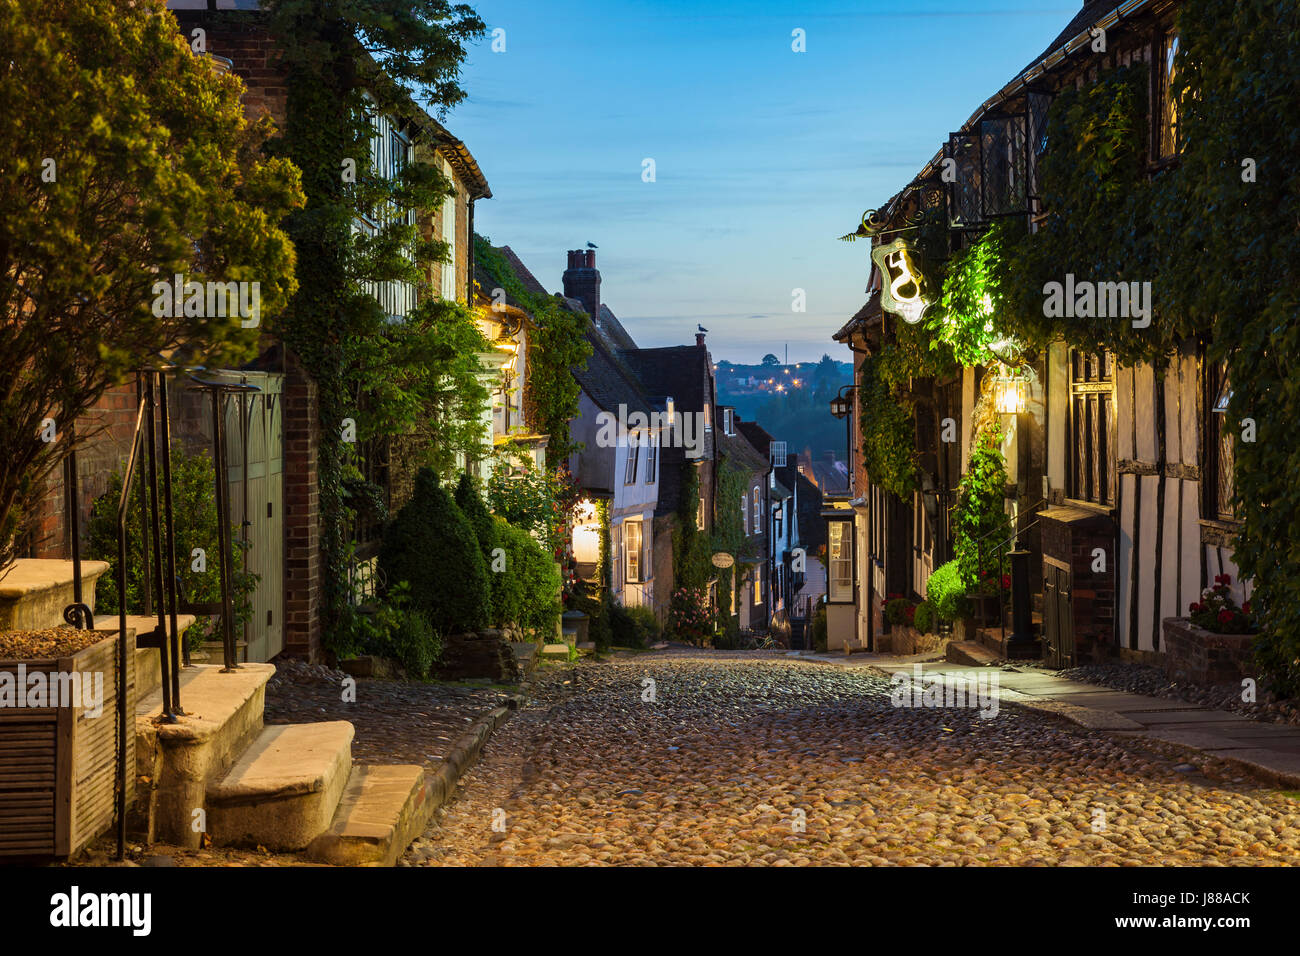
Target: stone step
{"x": 223, "y": 714}
{"x": 970, "y": 653}
{"x": 34, "y": 592}
{"x": 382, "y": 810}
{"x": 282, "y": 792}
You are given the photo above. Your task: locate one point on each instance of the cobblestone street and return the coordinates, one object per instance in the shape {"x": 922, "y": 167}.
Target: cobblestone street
{"x": 778, "y": 762}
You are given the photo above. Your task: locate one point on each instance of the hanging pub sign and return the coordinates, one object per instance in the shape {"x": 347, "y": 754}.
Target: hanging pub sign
{"x": 902, "y": 282}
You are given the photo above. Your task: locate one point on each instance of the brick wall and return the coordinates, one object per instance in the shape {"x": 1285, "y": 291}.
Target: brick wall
{"x": 243, "y": 39}
{"x": 302, "y": 563}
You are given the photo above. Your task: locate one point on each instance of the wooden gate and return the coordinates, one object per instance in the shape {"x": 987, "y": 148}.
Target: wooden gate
{"x": 254, "y": 435}
{"x": 1058, "y": 619}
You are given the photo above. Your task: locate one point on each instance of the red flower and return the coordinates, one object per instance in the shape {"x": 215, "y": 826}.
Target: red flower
{"x": 1223, "y": 579}
{"x": 1225, "y": 616}
{"x": 1194, "y": 608}
{"x": 1006, "y": 581}
{"x": 1246, "y": 607}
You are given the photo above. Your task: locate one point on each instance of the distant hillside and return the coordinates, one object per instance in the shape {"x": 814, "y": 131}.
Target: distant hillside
{"x": 791, "y": 401}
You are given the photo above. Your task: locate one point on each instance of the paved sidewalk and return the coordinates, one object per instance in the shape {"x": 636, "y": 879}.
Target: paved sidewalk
{"x": 1271, "y": 751}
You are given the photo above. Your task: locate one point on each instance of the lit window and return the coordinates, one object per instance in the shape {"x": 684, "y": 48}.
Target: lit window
{"x": 840, "y": 554}
{"x": 1166, "y": 111}
{"x": 632, "y": 545}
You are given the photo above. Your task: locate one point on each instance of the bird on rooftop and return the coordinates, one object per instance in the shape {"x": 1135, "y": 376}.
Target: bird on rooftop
{"x": 592, "y": 245}
{"x": 700, "y": 327}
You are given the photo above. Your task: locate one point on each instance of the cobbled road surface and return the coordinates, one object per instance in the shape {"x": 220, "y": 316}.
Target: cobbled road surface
{"x": 777, "y": 762}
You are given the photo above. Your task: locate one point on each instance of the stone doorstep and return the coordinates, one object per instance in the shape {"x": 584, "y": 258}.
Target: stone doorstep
{"x": 223, "y": 714}
{"x": 382, "y": 810}
{"x": 284, "y": 789}
{"x": 969, "y": 653}
{"x": 34, "y": 591}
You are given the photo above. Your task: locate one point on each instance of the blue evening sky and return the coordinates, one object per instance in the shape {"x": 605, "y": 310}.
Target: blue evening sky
{"x": 763, "y": 156}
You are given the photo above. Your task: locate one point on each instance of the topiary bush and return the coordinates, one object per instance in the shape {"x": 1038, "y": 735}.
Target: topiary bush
{"x": 431, "y": 545}
{"x": 946, "y": 592}
{"x": 476, "y": 512}
{"x": 924, "y": 617}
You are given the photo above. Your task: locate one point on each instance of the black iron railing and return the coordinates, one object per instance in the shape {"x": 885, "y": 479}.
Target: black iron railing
{"x": 160, "y": 587}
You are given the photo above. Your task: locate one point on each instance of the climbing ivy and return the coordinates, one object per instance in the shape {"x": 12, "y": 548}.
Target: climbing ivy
{"x": 344, "y": 61}
{"x": 980, "y": 523}
{"x": 556, "y": 346}
{"x": 888, "y": 435}
{"x": 1216, "y": 234}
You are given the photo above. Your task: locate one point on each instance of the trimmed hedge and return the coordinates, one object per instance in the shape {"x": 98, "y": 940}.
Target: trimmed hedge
{"x": 476, "y": 512}
{"x": 431, "y": 545}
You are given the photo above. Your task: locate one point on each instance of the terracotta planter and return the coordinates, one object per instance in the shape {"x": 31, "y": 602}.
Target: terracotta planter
{"x": 58, "y": 764}
{"x": 1199, "y": 656}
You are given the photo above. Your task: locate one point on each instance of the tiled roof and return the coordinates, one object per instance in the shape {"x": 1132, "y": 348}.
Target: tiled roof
{"x": 678, "y": 370}
{"x": 741, "y": 453}
{"x": 608, "y": 382}
{"x": 612, "y": 329}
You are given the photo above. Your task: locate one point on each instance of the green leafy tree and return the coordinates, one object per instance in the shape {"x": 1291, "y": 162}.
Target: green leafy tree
{"x": 127, "y": 159}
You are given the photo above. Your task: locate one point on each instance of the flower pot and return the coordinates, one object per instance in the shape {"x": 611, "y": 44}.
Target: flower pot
{"x": 58, "y": 764}
{"x": 1199, "y": 656}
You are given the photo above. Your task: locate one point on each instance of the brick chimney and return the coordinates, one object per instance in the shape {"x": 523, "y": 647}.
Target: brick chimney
{"x": 582, "y": 281}
{"x": 699, "y": 339}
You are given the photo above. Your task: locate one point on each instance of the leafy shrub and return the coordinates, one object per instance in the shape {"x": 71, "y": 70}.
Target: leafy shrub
{"x": 431, "y": 546}
{"x": 899, "y": 611}
{"x": 529, "y": 593}
{"x": 947, "y": 593}
{"x": 819, "y": 628}
{"x": 689, "y": 618}
{"x": 412, "y": 642}
{"x": 633, "y": 626}
{"x": 396, "y": 630}
{"x": 597, "y": 611}
{"x": 924, "y": 619}
{"x": 194, "y": 515}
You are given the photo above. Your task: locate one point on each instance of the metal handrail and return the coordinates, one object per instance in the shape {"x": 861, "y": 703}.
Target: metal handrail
{"x": 1016, "y": 532}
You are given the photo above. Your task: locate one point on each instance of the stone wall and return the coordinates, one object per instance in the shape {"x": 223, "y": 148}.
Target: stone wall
{"x": 477, "y": 654}
{"x": 1195, "y": 655}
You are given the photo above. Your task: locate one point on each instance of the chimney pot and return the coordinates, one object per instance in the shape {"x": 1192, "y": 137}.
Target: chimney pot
{"x": 699, "y": 339}
{"x": 591, "y": 258}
